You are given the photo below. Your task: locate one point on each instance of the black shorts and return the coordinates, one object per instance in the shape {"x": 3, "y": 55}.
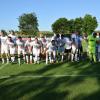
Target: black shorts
{"x": 67, "y": 50}
{"x": 80, "y": 49}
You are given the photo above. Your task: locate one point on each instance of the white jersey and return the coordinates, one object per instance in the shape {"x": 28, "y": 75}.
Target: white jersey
{"x": 36, "y": 48}
{"x": 4, "y": 45}
{"x": 4, "y": 41}
{"x": 74, "y": 49}
{"x": 28, "y": 43}
{"x": 44, "y": 43}
{"x": 20, "y": 44}
{"x": 10, "y": 44}
{"x": 68, "y": 44}
{"x": 51, "y": 47}
{"x": 13, "y": 37}
{"x": 73, "y": 36}
{"x": 28, "y": 46}
{"x": 35, "y": 45}
{"x": 61, "y": 42}
{"x": 78, "y": 41}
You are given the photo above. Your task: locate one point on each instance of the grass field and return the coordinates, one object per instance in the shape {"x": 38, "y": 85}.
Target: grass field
{"x": 61, "y": 81}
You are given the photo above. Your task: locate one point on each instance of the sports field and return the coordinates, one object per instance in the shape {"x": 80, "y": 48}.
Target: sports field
{"x": 61, "y": 81}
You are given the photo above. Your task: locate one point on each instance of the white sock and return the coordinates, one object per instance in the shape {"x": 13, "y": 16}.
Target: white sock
{"x": 7, "y": 60}
{"x": 50, "y": 59}
{"x": 38, "y": 61}
{"x": 19, "y": 60}
{"x": 27, "y": 59}
{"x": 54, "y": 58}
{"x": 35, "y": 59}
{"x": 47, "y": 59}
{"x": 30, "y": 58}
{"x": 76, "y": 57}
{"x": 72, "y": 57}
{"x": 12, "y": 59}
{"x": 3, "y": 61}
{"x": 24, "y": 58}
{"x": 62, "y": 57}
{"x": 38, "y": 58}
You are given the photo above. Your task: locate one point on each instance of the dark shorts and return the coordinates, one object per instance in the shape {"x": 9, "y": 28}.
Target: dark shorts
{"x": 80, "y": 49}
{"x": 67, "y": 50}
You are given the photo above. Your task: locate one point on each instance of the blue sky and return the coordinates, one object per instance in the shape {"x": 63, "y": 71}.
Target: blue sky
{"x": 47, "y": 11}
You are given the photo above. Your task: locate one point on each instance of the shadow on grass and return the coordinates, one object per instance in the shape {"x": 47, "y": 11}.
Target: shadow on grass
{"x": 14, "y": 88}
{"x": 93, "y": 96}
{"x": 32, "y": 89}
{"x": 77, "y": 64}
{"x": 40, "y": 88}
{"x": 91, "y": 70}
{"x": 48, "y": 68}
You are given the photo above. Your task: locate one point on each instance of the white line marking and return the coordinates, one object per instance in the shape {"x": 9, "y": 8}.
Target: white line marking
{"x": 3, "y": 66}
{"x": 44, "y": 76}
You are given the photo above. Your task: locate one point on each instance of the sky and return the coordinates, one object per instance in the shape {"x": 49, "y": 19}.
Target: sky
{"x": 47, "y": 11}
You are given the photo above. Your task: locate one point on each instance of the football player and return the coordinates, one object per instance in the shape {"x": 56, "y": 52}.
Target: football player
{"x": 36, "y": 50}
{"x": 4, "y": 47}
{"x": 21, "y": 49}
{"x": 28, "y": 50}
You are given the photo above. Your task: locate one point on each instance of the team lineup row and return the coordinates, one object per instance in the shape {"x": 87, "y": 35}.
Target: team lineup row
{"x": 77, "y": 47}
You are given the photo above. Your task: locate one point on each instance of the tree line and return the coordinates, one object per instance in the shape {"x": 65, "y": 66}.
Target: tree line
{"x": 28, "y": 24}
{"x": 86, "y": 24}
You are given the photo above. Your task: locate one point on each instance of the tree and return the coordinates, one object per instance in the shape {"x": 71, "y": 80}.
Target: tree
{"x": 60, "y": 25}
{"x": 78, "y": 23}
{"x": 71, "y": 25}
{"x": 89, "y": 24}
{"x": 28, "y": 23}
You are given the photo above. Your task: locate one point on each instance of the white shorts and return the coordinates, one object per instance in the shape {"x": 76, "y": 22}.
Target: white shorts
{"x": 4, "y": 50}
{"x": 36, "y": 52}
{"x": 21, "y": 51}
{"x": 74, "y": 51}
{"x": 12, "y": 51}
{"x": 51, "y": 51}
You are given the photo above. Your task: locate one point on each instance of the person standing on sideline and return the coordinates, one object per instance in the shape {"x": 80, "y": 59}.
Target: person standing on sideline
{"x": 4, "y": 47}
{"x": 98, "y": 47}
{"x": 77, "y": 39}
{"x": 36, "y": 50}
{"x": 28, "y": 50}
{"x": 21, "y": 49}
{"x": 12, "y": 49}
{"x": 92, "y": 47}
{"x": 13, "y": 36}
{"x": 84, "y": 46}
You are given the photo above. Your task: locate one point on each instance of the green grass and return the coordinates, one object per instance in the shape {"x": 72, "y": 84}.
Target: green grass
{"x": 50, "y": 88}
